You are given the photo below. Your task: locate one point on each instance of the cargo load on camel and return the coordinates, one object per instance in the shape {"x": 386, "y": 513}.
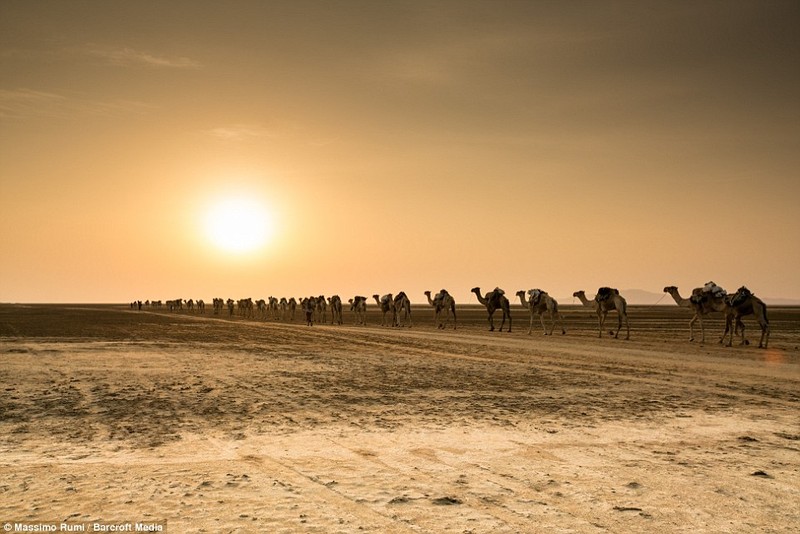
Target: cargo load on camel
{"x": 605, "y": 293}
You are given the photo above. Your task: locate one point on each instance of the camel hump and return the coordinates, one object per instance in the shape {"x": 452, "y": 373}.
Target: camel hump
{"x": 498, "y": 291}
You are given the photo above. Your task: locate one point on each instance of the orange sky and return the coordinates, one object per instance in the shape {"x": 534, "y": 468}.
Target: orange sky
{"x": 398, "y": 146}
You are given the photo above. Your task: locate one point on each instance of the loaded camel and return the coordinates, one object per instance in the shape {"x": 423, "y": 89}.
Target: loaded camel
{"x": 386, "y": 305}
{"x": 273, "y": 308}
{"x": 335, "y": 303}
{"x": 309, "y": 304}
{"x": 442, "y": 302}
{"x": 493, "y": 300}
{"x": 606, "y": 300}
{"x": 261, "y": 306}
{"x": 402, "y": 305}
{"x": 744, "y": 303}
{"x": 538, "y": 303}
{"x": 322, "y": 309}
{"x": 358, "y": 305}
{"x": 703, "y": 303}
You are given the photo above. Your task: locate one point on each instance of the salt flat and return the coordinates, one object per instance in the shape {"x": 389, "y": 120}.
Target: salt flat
{"x": 220, "y": 424}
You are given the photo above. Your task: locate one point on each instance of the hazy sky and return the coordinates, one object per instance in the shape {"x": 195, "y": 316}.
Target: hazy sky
{"x": 398, "y": 146}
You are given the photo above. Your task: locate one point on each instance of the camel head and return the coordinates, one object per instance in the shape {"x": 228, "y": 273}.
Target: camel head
{"x": 476, "y": 290}
{"x": 580, "y": 293}
{"x": 670, "y": 289}
{"x": 521, "y": 293}
{"x": 426, "y": 293}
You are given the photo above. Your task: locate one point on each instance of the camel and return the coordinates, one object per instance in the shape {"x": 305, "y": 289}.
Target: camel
{"x": 201, "y": 306}
{"x": 273, "y": 307}
{"x": 386, "y": 305}
{"x": 322, "y": 309}
{"x": 335, "y": 302}
{"x": 261, "y": 306}
{"x": 309, "y": 304}
{"x": 246, "y": 308}
{"x": 606, "y": 300}
{"x": 702, "y": 303}
{"x": 744, "y": 303}
{"x": 402, "y": 305}
{"x": 442, "y": 302}
{"x": 358, "y": 305}
{"x": 493, "y": 300}
{"x": 292, "y": 308}
{"x": 538, "y": 303}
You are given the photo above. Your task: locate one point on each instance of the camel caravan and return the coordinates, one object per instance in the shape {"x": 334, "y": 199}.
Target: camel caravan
{"x": 396, "y": 309}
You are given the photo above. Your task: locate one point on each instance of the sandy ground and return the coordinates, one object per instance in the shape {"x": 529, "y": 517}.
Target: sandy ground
{"x": 232, "y": 425}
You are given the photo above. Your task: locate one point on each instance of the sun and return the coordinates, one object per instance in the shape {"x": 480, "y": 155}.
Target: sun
{"x": 239, "y": 224}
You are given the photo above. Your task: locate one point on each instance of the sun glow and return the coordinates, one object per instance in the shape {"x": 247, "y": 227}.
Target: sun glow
{"x": 239, "y": 225}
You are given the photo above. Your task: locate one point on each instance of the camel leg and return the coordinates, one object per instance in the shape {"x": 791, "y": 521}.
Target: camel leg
{"x": 702, "y": 328}
{"x": 491, "y": 321}
{"x": 504, "y": 321}
{"x": 601, "y": 318}
{"x": 691, "y": 327}
{"x": 728, "y": 329}
{"x": 530, "y": 324}
{"x": 627, "y": 327}
{"x": 764, "y": 324}
{"x": 740, "y": 324}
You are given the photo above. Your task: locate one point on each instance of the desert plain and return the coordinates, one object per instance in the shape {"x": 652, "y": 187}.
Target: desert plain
{"x": 224, "y": 424}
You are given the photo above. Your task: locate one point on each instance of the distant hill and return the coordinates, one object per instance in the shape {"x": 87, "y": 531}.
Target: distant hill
{"x": 780, "y": 301}
{"x": 632, "y": 296}
{"x": 640, "y": 296}
{"x": 643, "y": 297}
